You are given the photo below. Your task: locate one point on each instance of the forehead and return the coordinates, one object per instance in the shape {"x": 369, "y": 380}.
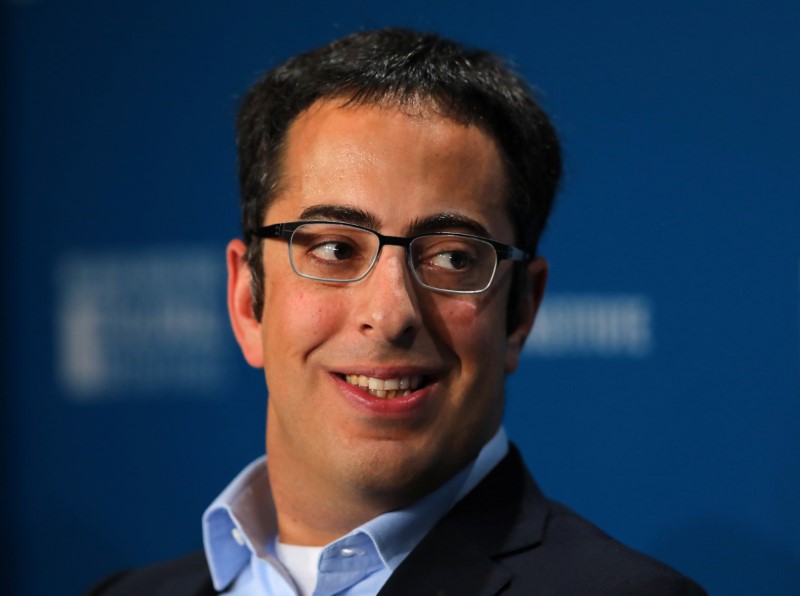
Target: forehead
{"x": 392, "y": 160}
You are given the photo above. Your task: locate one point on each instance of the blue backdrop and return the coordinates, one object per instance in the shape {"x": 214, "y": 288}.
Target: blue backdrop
{"x": 660, "y": 393}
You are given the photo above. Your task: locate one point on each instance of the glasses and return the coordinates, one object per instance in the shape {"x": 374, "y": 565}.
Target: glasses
{"x": 340, "y": 252}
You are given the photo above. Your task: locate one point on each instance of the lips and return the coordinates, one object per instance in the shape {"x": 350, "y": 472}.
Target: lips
{"x": 386, "y": 388}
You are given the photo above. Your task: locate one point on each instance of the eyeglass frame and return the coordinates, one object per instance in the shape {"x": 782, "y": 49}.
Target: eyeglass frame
{"x": 286, "y": 230}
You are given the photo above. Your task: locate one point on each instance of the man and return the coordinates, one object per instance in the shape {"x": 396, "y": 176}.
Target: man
{"x": 394, "y": 188}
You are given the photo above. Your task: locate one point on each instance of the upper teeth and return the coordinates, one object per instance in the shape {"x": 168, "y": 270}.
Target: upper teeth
{"x": 385, "y": 387}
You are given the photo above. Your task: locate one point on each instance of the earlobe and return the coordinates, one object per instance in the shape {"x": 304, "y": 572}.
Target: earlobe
{"x": 246, "y": 327}
{"x": 531, "y": 299}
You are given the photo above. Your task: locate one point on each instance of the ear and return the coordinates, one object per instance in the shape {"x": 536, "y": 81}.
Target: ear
{"x": 530, "y": 300}
{"x": 246, "y": 327}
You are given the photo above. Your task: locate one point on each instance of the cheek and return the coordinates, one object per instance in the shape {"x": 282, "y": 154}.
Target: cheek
{"x": 459, "y": 315}
{"x": 475, "y": 329}
{"x": 297, "y": 319}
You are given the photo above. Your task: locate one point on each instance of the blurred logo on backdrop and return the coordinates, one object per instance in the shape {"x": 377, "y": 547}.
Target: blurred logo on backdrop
{"x": 152, "y": 320}
{"x": 602, "y": 325}
{"x": 141, "y": 321}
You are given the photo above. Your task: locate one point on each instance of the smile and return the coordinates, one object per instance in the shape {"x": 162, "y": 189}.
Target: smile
{"x": 386, "y": 388}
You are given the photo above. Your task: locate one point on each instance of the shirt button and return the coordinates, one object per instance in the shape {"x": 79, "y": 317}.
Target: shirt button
{"x": 237, "y": 536}
{"x": 350, "y": 552}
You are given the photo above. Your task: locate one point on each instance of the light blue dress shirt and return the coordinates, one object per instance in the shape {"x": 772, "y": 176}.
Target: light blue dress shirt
{"x": 240, "y": 528}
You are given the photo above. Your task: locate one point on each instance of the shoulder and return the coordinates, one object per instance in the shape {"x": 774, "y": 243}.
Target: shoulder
{"x": 576, "y": 557}
{"x": 185, "y": 575}
{"x": 514, "y": 540}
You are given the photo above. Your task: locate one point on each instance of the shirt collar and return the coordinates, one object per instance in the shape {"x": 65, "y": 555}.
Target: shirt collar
{"x": 241, "y": 521}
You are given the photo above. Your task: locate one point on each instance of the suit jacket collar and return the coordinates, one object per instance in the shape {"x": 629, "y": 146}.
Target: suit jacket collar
{"x": 505, "y": 513}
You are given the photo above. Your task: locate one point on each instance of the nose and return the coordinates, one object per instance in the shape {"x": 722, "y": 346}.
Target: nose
{"x": 388, "y": 306}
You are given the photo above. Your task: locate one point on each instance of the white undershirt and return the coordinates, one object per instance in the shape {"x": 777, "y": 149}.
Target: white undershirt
{"x": 301, "y": 561}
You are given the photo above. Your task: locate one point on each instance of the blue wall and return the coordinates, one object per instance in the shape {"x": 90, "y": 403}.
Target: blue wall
{"x": 660, "y": 395}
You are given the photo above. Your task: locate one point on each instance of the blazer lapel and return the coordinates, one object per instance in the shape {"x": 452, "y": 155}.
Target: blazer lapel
{"x": 462, "y": 571}
{"x": 505, "y": 513}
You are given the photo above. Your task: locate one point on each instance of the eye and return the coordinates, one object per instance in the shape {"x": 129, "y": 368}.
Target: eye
{"x": 447, "y": 254}
{"x": 453, "y": 260}
{"x": 332, "y": 250}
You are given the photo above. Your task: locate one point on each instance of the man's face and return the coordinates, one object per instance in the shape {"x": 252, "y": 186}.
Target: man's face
{"x": 397, "y": 173}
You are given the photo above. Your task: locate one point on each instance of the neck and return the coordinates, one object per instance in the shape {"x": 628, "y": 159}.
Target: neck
{"x": 311, "y": 511}
{"x": 319, "y": 499}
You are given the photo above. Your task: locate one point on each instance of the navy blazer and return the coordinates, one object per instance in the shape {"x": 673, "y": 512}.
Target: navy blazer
{"x": 504, "y": 537}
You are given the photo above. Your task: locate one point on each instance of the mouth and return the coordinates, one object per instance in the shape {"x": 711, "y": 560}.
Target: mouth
{"x": 386, "y": 388}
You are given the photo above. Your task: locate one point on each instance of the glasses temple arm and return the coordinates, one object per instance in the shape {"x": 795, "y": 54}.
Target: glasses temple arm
{"x": 512, "y": 253}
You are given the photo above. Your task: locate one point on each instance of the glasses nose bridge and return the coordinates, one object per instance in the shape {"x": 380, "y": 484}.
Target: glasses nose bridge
{"x": 393, "y": 241}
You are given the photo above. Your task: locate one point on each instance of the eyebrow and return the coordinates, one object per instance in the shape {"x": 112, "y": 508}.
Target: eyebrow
{"x": 438, "y": 222}
{"x": 342, "y": 213}
{"x": 441, "y": 222}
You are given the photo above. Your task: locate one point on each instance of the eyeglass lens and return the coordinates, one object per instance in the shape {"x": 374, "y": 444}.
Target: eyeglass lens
{"x": 338, "y": 252}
